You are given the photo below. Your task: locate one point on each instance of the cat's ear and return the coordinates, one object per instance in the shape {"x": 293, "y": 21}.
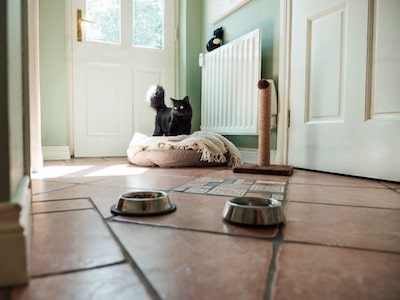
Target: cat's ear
{"x": 172, "y": 99}
{"x": 186, "y": 99}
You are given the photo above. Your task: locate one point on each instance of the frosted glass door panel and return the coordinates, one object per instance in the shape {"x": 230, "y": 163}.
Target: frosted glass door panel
{"x": 148, "y": 23}
{"x": 106, "y": 15}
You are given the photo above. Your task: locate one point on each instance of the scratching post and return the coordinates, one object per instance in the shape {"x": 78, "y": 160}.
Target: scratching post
{"x": 264, "y": 138}
{"x": 264, "y": 123}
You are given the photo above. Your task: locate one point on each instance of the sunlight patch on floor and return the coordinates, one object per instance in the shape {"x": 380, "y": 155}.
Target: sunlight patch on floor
{"x": 117, "y": 170}
{"x": 58, "y": 171}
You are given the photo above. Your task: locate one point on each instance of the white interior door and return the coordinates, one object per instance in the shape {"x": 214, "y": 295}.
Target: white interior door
{"x": 344, "y": 97}
{"x": 129, "y": 47}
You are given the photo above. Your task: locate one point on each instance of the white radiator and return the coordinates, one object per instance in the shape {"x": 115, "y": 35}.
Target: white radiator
{"x": 229, "y": 93}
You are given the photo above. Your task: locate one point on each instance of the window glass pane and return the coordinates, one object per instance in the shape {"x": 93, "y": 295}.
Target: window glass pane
{"x": 107, "y": 17}
{"x": 148, "y": 27}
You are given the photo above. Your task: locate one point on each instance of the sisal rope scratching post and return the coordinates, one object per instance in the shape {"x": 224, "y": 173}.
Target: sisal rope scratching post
{"x": 264, "y": 123}
{"x": 264, "y": 138}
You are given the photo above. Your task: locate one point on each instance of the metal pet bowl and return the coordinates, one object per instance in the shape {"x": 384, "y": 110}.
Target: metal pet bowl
{"x": 143, "y": 203}
{"x": 253, "y": 211}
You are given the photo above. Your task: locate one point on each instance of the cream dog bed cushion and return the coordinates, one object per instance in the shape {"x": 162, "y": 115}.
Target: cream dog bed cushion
{"x": 199, "y": 149}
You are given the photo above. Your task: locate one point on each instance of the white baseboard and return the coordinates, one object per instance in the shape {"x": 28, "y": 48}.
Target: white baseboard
{"x": 15, "y": 232}
{"x": 250, "y": 155}
{"x": 56, "y": 152}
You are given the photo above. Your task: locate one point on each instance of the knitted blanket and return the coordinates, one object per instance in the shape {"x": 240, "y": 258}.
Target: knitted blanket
{"x": 214, "y": 148}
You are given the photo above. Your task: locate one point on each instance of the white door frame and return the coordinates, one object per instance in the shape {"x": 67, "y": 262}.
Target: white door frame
{"x": 34, "y": 87}
{"x": 70, "y": 100}
{"x": 284, "y": 82}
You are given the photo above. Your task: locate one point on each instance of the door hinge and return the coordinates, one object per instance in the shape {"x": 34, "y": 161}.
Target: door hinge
{"x": 288, "y": 118}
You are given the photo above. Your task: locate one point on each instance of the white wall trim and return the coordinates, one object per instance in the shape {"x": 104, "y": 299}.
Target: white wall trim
{"x": 56, "y": 152}
{"x": 15, "y": 233}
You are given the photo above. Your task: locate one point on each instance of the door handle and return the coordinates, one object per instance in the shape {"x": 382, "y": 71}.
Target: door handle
{"x": 79, "y": 21}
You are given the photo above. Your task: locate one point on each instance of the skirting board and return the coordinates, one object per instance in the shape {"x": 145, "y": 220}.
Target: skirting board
{"x": 15, "y": 232}
{"x": 250, "y": 155}
{"x": 56, "y": 152}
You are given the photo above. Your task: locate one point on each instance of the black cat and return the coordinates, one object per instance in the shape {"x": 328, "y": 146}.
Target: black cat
{"x": 173, "y": 120}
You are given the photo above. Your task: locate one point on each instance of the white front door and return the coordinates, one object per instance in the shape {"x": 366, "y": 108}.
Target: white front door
{"x": 345, "y": 91}
{"x": 129, "y": 47}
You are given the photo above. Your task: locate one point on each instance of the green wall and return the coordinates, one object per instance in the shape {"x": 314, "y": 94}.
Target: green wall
{"x": 262, "y": 14}
{"x": 53, "y": 76}
{"x": 14, "y": 120}
{"x": 190, "y": 44}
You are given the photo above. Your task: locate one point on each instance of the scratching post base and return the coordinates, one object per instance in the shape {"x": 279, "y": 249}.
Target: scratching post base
{"x": 283, "y": 170}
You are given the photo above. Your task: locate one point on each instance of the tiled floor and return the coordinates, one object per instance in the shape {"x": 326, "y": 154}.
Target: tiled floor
{"x": 341, "y": 238}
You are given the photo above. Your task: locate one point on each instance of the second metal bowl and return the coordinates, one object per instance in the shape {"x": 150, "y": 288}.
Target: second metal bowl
{"x": 253, "y": 211}
{"x": 143, "y": 203}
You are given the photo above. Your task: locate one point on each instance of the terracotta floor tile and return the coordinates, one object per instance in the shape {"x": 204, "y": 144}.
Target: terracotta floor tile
{"x": 44, "y": 186}
{"x": 359, "y": 227}
{"x": 144, "y": 181}
{"x": 75, "y": 191}
{"x": 369, "y": 197}
{"x": 109, "y": 171}
{"x": 112, "y": 282}
{"x": 317, "y": 272}
{"x": 69, "y": 173}
{"x": 193, "y": 265}
{"x": 228, "y": 173}
{"x": 86, "y": 161}
{"x": 194, "y": 172}
{"x": 204, "y": 213}
{"x": 60, "y": 205}
{"x": 117, "y": 160}
{"x": 48, "y": 163}
{"x": 311, "y": 177}
{"x": 105, "y": 197}
{"x": 74, "y": 240}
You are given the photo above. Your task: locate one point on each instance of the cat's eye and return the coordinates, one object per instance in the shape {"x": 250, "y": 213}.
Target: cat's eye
{"x": 175, "y": 108}
{"x": 181, "y": 107}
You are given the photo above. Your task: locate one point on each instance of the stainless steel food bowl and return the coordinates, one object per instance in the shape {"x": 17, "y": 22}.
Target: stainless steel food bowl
{"x": 253, "y": 211}
{"x": 143, "y": 203}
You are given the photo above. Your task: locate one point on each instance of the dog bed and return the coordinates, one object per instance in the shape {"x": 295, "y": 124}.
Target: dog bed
{"x": 199, "y": 149}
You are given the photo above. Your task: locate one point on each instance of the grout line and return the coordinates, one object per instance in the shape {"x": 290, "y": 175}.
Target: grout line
{"x": 61, "y": 211}
{"x": 78, "y": 270}
{"x": 382, "y": 187}
{"x": 340, "y": 247}
{"x": 276, "y": 245}
{"x": 61, "y": 199}
{"x": 343, "y": 205}
{"x": 72, "y": 184}
{"x": 135, "y": 267}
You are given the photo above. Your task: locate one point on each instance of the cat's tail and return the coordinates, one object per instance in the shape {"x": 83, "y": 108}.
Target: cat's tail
{"x": 155, "y": 96}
